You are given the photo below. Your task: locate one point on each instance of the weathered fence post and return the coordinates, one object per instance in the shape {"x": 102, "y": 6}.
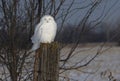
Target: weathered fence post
{"x": 46, "y": 66}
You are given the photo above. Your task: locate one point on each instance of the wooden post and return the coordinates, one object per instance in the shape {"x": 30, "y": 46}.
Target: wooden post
{"x": 46, "y": 66}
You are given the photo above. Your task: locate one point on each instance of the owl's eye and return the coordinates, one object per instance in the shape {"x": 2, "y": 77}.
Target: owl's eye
{"x": 49, "y": 18}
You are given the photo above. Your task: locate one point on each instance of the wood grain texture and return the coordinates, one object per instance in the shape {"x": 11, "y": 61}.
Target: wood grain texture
{"x": 46, "y": 66}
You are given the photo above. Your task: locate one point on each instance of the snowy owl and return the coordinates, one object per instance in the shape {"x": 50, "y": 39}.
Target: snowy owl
{"x": 45, "y": 32}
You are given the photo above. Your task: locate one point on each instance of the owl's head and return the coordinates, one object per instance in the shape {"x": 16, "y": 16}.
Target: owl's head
{"x": 47, "y": 19}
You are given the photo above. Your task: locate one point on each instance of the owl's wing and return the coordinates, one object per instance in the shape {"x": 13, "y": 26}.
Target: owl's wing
{"x": 35, "y": 37}
{"x": 37, "y": 27}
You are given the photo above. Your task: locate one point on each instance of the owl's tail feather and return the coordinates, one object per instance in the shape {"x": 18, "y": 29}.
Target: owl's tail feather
{"x": 34, "y": 47}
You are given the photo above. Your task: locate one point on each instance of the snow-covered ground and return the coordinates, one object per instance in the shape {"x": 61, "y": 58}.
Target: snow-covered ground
{"x": 105, "y": 67}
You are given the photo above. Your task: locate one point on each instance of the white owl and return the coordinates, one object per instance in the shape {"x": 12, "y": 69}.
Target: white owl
{"x": 45, "y": 32}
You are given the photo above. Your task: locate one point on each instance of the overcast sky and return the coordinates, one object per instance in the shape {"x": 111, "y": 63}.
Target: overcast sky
{"x": 109, "y": 8}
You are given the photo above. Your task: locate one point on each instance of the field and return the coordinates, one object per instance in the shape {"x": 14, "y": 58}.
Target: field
{"x": 105, "y": 67}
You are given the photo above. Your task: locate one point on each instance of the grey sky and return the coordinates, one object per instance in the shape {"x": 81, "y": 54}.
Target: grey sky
{"x": 110, "y": 9}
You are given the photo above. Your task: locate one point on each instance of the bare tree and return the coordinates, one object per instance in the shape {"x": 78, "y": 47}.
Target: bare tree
{"x": 18, "y": 19}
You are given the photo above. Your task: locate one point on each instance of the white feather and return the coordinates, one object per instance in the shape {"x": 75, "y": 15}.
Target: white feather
{"x": 45, "y": 32}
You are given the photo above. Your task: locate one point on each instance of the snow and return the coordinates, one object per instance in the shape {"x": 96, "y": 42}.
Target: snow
{"x": 105, "y": 67}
